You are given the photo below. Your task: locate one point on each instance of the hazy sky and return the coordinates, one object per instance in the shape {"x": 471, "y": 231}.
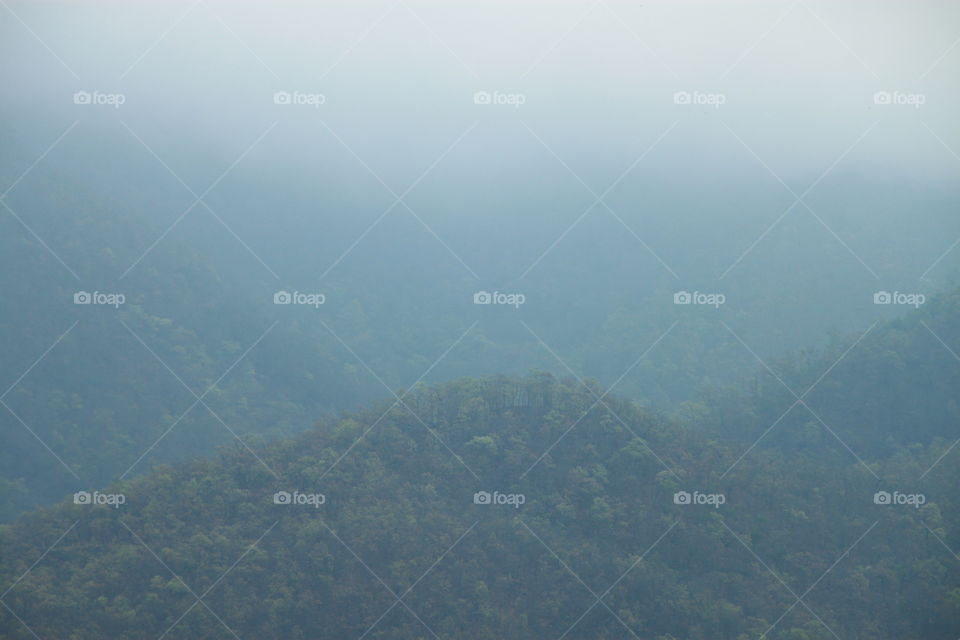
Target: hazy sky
{"x": 597, "y": 79}
{"x": 686, "y": 117}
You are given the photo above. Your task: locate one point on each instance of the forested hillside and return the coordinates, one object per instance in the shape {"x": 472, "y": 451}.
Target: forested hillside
{"x": 432, "y": 320}
{"x": 95, "y": 393}
{"x": 604, "y": 520}
{"x": 891, "y": 386}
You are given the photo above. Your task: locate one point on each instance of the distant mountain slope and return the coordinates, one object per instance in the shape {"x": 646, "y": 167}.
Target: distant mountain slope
{"x": 893, "y": 385}
{"x": 94, "y": 392}
{"x": 87, "y": 388}
{"x": 587, "y": 499}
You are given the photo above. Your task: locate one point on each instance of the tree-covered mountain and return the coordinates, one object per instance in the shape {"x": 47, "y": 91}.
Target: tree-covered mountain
{"x": 430, "y": 320}
{"x": 95, "y": 393}
{"x": 891, "y": 386}
{"x": 604, "y": 520}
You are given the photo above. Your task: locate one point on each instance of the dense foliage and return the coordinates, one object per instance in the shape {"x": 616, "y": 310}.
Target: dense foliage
{"x": 599, "y": 519}
{"x": 107, "y": 215}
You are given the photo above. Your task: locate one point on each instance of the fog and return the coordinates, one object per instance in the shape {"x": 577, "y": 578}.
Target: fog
{"x": 311, "y": 209}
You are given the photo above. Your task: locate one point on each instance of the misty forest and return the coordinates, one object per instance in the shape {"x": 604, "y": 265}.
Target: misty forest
{"x": 413, "y": 320}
